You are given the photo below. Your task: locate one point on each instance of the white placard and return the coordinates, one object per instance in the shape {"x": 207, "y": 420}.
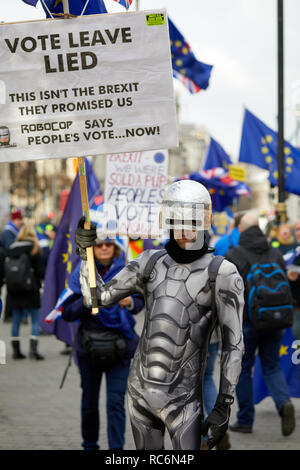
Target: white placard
{"x": 134, "y": 187}
{"x": 86, "y": 86}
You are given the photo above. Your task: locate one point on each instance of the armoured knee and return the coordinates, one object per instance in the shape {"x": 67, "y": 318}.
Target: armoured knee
{"x": 145, "y": 437}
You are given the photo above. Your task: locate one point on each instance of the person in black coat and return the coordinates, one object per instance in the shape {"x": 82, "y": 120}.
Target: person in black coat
{"x": 25, "y": 302}
{"x": 267, "y": 342}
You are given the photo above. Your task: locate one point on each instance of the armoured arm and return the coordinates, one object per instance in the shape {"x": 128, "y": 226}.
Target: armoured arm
{"x": 230, "y": 304}
{"x": 127, "y": 282}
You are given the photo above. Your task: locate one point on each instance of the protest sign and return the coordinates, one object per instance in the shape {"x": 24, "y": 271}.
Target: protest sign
{"x": 134, "y": 188}
{"x": 86, "y": 86}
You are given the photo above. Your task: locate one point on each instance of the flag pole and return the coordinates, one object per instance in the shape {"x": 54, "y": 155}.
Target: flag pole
{"x": 281, "y": 206}
{"x": 85, "y": 210}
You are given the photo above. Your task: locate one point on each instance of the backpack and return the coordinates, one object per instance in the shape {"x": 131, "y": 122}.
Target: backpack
{"x": 269, "y": 297}
{"x": 19, "y": 273}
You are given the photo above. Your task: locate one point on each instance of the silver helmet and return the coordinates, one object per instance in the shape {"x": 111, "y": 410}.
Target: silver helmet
{"x": 186, "y": 213}
{"x": 4, "y": 135}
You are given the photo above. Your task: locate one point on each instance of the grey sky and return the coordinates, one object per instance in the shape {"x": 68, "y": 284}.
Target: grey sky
{"x": 238, "y": 37}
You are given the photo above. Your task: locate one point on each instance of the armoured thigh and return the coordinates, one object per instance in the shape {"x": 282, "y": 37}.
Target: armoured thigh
{"x": 148, "y": 430}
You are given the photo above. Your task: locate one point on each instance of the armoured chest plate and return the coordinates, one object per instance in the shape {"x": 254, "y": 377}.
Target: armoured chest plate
{"x": 177, "y": 307}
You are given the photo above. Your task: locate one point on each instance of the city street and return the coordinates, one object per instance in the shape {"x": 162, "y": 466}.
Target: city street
{"x": 36, "y": 415}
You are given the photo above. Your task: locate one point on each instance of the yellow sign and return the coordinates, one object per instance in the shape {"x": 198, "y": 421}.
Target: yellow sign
{"x": 237, "y": 173}
{"x": 155, "y": 19}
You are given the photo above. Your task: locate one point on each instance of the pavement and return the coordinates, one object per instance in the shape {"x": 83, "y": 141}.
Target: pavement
{"x": 35, "y": 414}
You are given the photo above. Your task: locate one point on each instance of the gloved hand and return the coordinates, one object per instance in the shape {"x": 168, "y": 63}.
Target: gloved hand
{"x": 218, "y": 420}
{"x": 84, "y": 238}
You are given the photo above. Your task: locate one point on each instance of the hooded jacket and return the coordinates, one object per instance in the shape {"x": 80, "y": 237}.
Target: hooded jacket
{"x": 113, "y": 317}
{"x": 258, "y": 247}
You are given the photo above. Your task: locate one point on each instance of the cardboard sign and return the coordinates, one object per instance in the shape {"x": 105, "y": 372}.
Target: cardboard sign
{"x": 238, "y": 173}
{"x": 86, "y": 86}
{"x": 134, "y": 188}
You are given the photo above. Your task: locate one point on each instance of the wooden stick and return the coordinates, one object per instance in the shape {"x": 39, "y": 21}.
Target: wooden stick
{"x": 85, "y": 209}
{"x": 87, "y": 225}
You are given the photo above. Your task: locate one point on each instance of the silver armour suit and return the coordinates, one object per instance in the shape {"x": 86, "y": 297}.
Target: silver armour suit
{"x": 166, "y": 375}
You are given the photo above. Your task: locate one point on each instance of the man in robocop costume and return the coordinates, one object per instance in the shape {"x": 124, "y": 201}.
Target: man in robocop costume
{"x": 165, "y": 381}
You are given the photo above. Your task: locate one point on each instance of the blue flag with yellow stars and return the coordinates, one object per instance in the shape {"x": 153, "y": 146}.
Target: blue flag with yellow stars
{"x": 259, "y": 147}
{"x": 31, "y": 2}
{"x": 216, "y": 156}
{"x": 75, "y": 6}
{"x": 289, "y": 363}
{"x": 63, "y": 258}
{"x": 191, "y": 72}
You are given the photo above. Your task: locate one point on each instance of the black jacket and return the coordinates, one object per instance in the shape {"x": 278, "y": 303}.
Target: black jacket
{"x": 295, "y": 285}
{"x": 2, "y": 257}
{"x": 27, "y": 299}
{"x": 258, "y": 247}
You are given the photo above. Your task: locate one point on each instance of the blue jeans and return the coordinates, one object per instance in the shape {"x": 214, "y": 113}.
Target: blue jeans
{"x": 268, "y": 344}
{"x": 209, "y": 388}
{"x": 19, "y": 313}
{"x": 116, "y": 382}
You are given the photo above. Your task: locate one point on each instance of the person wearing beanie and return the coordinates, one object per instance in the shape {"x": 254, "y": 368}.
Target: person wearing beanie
{"x": 94, "y": 358}
{"x": 11, "y": 229}
{"x": 25, "y": 301}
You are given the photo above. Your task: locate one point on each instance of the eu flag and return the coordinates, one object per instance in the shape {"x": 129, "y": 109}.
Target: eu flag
{"x": 289, "y": 363}
{"x": 259, "y": 147}
{"x": 75, "y": 6}
{"x": 63, "y": 259}
{"x": 186, "y": 68}
{"x": 216, "y": 156}
{"x": 31, "y": 2}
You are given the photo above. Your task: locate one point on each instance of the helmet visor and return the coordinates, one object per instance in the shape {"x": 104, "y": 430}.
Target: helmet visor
{"x": 186, "y": 223}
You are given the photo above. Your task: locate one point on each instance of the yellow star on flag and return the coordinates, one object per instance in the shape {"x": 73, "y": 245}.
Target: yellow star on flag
{"x": 69, "y": 267}
{"x": 57, "y": 3}
{"x": 287, "y": 150}
{"x": 65, "y": 257}
{"x": 283, "y": 350}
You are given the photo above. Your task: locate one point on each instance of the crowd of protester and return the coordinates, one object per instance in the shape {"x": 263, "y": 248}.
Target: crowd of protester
{"x": 19, "y": 238}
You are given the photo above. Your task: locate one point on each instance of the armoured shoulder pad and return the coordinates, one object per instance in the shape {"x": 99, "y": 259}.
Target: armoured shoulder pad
{"x": 151, "y": 263}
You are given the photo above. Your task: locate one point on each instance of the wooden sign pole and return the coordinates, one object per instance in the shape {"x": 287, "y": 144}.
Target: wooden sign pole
{"x": 86, "y": 211}
{"x": 87, "y": 225}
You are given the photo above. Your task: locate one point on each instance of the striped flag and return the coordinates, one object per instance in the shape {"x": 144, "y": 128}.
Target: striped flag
{"x": 125, "y": 3}
{"x": 221, "y": 186}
